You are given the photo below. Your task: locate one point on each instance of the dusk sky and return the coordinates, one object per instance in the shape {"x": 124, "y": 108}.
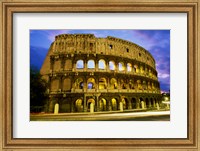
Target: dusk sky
{"x": 157, "y": 42}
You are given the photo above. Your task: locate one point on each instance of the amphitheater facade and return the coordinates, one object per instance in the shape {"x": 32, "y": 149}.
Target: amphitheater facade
{"x": 90, "y": 74}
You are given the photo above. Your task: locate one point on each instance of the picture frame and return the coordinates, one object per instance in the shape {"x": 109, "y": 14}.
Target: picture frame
{"x": 9, "y": 7}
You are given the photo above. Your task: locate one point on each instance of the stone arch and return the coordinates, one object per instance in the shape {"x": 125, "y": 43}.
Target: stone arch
{"x": 57, "y": 65}
{"x": 102, "y": 83}
{"x": 79, "y": 84}
{"x": 79, "y": 64}
{"x": 91, "y": 84}
{"x": 147, "y": 103}
{"x": 125, "y": 103}
{"x": 79, "y": 105}
{"x": 67, "y": 84}
{"x": 113, "y": 83}
{"x": 141, "y": 69}
{"x": 129, "y": 67}
{"x": 112, "y": 65}
{"x": 102, "y": 64}
{"x": 136, "y": 69}
{"x": 121, "y": 66}
{"x": 55, "y": 85}
{"x": 114, "y": 104}
{"x": 89, "y": 101}
{"x": 134, "y": 103}
{"x": 139, "y": 85}
{"x": 90, "y": 64}
{"x": 142, "y": 103}
{"x": 103, "y": 104}
{"x": 68, "y": 64}
{"x": 123, "y": 84}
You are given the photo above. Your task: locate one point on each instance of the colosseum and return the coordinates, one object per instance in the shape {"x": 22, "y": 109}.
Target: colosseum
{"x": 90, "y": 74}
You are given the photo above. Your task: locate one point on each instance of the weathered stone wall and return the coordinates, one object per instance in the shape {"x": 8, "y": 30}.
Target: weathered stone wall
{"x": 132, "y": 80}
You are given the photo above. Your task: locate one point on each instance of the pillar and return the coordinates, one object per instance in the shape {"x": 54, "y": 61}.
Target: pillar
{"x": 91, "y": 107}
{"x": 142, "y": 104}
{"x": 84, "y": 104}
{"x": 121, "y": 106}
{"x": 56, "y": 108}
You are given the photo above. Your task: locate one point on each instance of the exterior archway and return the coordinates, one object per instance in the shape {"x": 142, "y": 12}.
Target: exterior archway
{"x": 133, "y": 103}
{"x": 91, "y": 83}
{"x": 129, "y": 67}
{"x": 102, "y": 104}
{"x": 102, "y": 83}
{"x": 80, "y": 64}
{"x": 89, "y": 101}
{"x": 114, "y": 103}
{"x": 79, "y": 83}
{"x": 102, "y": 64}
{"x": 111, "y": 65}
{"x": 113, "y": 83}
{"x": 79, "y": 105}
{"x": 90, "y": 64}
{"x": 125, "y": 103}
{"x": 121, "y": 66}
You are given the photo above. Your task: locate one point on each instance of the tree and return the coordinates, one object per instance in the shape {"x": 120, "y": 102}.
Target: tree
{"x": 38, "y": 91}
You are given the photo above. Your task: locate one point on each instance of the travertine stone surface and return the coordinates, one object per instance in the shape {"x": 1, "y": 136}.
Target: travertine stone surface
{"x": 82, "y": 69}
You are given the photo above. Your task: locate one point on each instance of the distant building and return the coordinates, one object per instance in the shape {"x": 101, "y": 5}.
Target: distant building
{"x": 90, "y": 74}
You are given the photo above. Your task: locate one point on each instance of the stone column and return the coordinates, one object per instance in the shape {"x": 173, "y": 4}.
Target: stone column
{"x": 97, "y": 103}
{"x": 142, "y": 104}
{"x": 91, "y": 107}
{"x": 96, "y": 65}
{"x": 85, "y": 65}
{"x": 72, "y": 106}
{"x": 56, "y": 108}
{"x": 84, "y": 104}
{"x": 121, "y": 106}
{"x": 149, "y": 104}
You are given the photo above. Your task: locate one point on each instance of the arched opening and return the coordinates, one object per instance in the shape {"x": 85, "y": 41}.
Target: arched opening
{"x": 102, "y": 64}
{"x": 113, "y": 83}
{"x": 144, "y": 85}
{"x": 129, "y": 67}
{"x": 90, "y": 64}
{"x": 142, "y": 69}
{"x": 67, "y": 84}
{"x": 139, "y": 85}
{"x": 79, "y": 64}
{"x": 136, "y": 68}
{"x": 131, "y": 84}
{"x": 121, "y": 66}
{"x": 79, "y": 83}
{"x": 91, "y": 83}
{"x": 123, "y": 84}
{"x": 133, "y": 103}
{"x": 54, "y": 85}
{"x": 102, "y": 104}
{"x": 114, "y": 104}
{"x": 89, "y": 101}
{"x": 79, "y": 105}
{"x": 147, "y": 103}
{"x": 152, "y": 102}
{"x": 111, "y": 65}
{"x": 142, "y": 105}
{"x": 102, "y": 83}
{"x": 125, "y": 103}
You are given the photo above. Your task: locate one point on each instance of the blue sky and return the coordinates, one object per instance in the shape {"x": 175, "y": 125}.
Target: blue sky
{"x": 157, "y": 42}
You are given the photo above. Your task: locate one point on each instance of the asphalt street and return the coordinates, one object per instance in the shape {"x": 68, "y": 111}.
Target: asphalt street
{"x": 123, "y": 116}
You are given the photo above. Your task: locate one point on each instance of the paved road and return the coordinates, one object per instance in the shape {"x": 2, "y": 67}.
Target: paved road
{"x": 132, "y": 116}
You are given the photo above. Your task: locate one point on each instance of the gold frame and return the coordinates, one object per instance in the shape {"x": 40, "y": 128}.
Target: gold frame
{"x": 8, "y": 7}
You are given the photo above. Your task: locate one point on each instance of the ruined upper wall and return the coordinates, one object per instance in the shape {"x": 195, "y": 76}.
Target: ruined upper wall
{"x": 88, "y": 43}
